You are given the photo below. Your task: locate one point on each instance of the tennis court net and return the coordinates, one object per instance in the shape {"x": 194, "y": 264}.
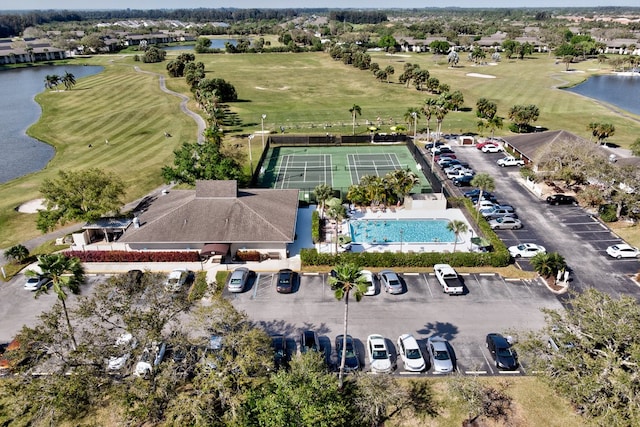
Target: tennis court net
{"x": 287, "y": 169}
{"x": 374, "y": 167}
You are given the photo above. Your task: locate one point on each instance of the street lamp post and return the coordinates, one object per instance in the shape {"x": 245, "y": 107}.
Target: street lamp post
{"x": 415, "y": 125}
{"x": 251, "y": 154}
{"x": 264, "y": 116}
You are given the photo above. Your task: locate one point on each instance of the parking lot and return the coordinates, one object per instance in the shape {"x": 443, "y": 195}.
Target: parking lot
{"x": 490, "y": 304}
{"x": 569, "y": 230}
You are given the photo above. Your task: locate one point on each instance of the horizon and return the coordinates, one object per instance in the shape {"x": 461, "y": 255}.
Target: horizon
{"x": 80, "y": 5}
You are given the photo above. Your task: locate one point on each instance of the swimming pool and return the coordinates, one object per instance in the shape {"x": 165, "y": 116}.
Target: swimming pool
{"x": 401, "y": 230}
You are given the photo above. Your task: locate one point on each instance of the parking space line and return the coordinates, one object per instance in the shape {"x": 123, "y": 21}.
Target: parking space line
{"x": 410, "y": 274}
{"x": 516, "y": 372}
{"x": 427, "y": 283}
{"x": 256, "y": 283}
{"x": 485, "y": 291}
{"x": 486, "y": 360}
{"x": 475, "y": 372}
{"x": 507, "y": 287}
{"x": 310, "y": 274}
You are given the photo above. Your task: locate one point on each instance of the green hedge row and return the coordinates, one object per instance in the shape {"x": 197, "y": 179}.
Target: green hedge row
{"x": 499, "y": 257}
{"x": 315, "y": 226}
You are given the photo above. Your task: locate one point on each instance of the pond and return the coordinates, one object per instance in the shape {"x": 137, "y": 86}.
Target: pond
{"x": 623, "y": 91}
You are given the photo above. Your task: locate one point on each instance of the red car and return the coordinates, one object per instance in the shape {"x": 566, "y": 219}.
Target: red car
{"x": 484, "y": 142}
{"x": 447, "y": 155}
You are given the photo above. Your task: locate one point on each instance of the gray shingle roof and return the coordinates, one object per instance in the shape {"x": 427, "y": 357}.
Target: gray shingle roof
{"x": 217, "y": 212}
{"x": 533, "y": 145}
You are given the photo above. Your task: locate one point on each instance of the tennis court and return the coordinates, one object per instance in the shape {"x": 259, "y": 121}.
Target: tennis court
{"x": 305, "y": 168}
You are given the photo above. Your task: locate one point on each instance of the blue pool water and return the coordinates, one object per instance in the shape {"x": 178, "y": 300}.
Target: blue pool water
{"x": 402, "y": 230}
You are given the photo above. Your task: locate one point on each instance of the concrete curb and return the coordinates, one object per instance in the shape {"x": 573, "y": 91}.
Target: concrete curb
{"x": 564, "y": 289}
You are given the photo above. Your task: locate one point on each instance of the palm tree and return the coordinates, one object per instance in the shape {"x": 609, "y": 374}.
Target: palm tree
{"x": 548, "y": 264}
{"x": 457, "y": 227}
{"x": 401, "y": 182}
{"x": 51, "y": 81}
{"x": 17, "y": 253}
{"x": 348, "y": 278}
{"x": 442, "y": 109}
{"x": 69, "y": 80}
{"x": 484, "y": 182}
{"x": 337, "y": 212}
{"x": 323, "y": 193}
{"x": 355, "y": 110}
{"x": 409, "y": 116}
{"x": 65, "y": 273}
{"x": 428, "y": 109}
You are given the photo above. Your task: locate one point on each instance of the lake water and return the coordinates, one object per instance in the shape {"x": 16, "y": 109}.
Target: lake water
{"x": 621, "y": 91}
{"x": 22, "y": 154}
{"x": 215, "y": 44}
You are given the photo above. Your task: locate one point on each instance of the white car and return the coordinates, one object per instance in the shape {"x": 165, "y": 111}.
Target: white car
{"x": 492, "y": 148}
{"x": 126, "y": 342}
{"x": 505, "y": 223}
{"x": 176, "y": 279}
{"x": 371, "y": 284}
{"x": 622, "y": 250}
{"x": 379, "y": 357}
{"x": 510, "y": 161}
{"x": 35, "y": 283}
{"x": 457, "y": 173}
{"x": 526, "y": 250}
{"x": 410, "y": 353}
{"x": 151, "y": 357}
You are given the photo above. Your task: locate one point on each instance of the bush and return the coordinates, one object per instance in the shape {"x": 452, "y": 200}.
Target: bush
{"x": 315, "y": 227}
{"x": 608, "y": 213}
{"x": 221, "y": 279}
{"x": 249, "y": 256}
{"x": 129, "y": 256}
{"x": 199, "y": 287}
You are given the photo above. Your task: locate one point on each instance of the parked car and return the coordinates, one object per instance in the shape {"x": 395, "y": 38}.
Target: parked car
{"x": 505, "y": 223}
{"x": 499, "y": 213}
{"x": 390, "y": 281}
{"x": 492, "y": 148}
{"x": 561, "y": 199}
{"x": 510, "y": 161}
{"x": 441, "y": 359}
{"x": 176, "y": 279}
{"x": 481, "y": 144}
{"x": 286, "y": 280}
{"x": 457, "y": 173}
{"x": 150, "y": 358}
{"x": 444, "y": 156}
{"x": 309, "y": 342}
{"x": 485, "y": 204}
{"x": 441, "y": 150}
{"x": 437, "y": 148}
{"x": 371, "y": 283}
{"x": 558, "y": 342}
{"x": 212, "y": 355}
{"x": 623, "y": 250}
{"x": 430, "y": 145}
{"x": 446, "y": 162}
{"x": 410, "y": 353}
{"x": 125, "y": 344}
{"x": 238, "y": 279}
{"x": 501, "y": 351}
{"x": 489, "y": 197}
{"x": 463, "y": 181}
{"x": 526, "y": 250}
{"x": 379, "y": 357}
{"x": 280, "y": 352}
{"x": 352, "y": 363}
{"x": 35, "y": 283}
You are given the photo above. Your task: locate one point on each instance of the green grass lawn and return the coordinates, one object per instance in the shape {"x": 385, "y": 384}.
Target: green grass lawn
{"x": 303, "y": 92}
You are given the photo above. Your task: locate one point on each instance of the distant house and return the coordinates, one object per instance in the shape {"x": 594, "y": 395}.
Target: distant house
{"x": 28, "y": 50}
{"x": 216, "y": 217}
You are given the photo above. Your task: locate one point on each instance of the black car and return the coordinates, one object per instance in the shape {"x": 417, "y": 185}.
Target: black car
{"x": 502, "y": 353}
{"x": 463, "y": 181}
{"x": 562, "y": 199}
{"x": 352, "y": 363}
{"x": 286, "y": 280}
{"x": 475, "y": 193}
{"x": 309, "y": 342}
{"x": 434, "y": 144}
{"x": 452, "y": 162}
{"x": 281, "y": 354}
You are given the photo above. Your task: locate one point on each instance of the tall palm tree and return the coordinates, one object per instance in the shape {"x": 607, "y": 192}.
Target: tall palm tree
{"x": 484, "y": 182}
{"x": 428, "y": 109}
{"x": 323, "y": 193}
{"x": 457, "y": 227}
{"x": 442, "y": 109}
{"x": 408, "y": 117}
{"x": 66, "y": 274}
{"x": 337, "y": 212}
{"x": 355, "y": 110}
{"x": 401, "y": 182}
{"x": 69, "y": 80}
{"x": 348, "y": 279}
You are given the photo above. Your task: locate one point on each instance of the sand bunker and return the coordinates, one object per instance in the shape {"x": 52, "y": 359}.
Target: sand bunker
{"x": 32, "y": 206}
{"x": 482, "y": 76}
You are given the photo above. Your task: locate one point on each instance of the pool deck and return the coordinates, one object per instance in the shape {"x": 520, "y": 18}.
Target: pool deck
{"x": 463, "y": 244}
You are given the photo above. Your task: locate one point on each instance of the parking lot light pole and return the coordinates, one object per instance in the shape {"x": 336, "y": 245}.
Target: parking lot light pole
{"x": 264, "y": 116}
{"x": 415, "y": 125}
{"x": 250, "y": 154}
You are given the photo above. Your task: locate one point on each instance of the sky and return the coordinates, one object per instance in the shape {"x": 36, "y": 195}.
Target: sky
{"x": 280, "y": 4}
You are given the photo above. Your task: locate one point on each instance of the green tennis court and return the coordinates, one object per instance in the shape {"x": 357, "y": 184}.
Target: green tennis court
{"x": 306, "y": 167}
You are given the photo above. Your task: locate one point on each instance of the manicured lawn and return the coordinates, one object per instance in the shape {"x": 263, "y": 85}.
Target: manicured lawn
{"x": 303, "y": 92}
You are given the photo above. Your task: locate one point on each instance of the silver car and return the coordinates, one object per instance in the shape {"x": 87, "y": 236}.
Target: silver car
{"x": 441, "y": 360}
{"x": 390, "y": 281}
{"x": 238, "y": 279}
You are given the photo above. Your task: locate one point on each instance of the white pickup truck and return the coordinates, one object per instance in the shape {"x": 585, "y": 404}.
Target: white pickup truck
{"x": 449, "y": 279}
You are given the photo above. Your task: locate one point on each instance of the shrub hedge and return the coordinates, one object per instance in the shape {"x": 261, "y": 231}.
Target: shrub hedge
{"x": 499, "y": 257}
{"x": 127, "y": 256}
{"x": 315, "y": 227}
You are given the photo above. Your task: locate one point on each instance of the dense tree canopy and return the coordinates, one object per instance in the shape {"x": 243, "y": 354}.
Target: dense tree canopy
{"x": 79, "y": 196}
